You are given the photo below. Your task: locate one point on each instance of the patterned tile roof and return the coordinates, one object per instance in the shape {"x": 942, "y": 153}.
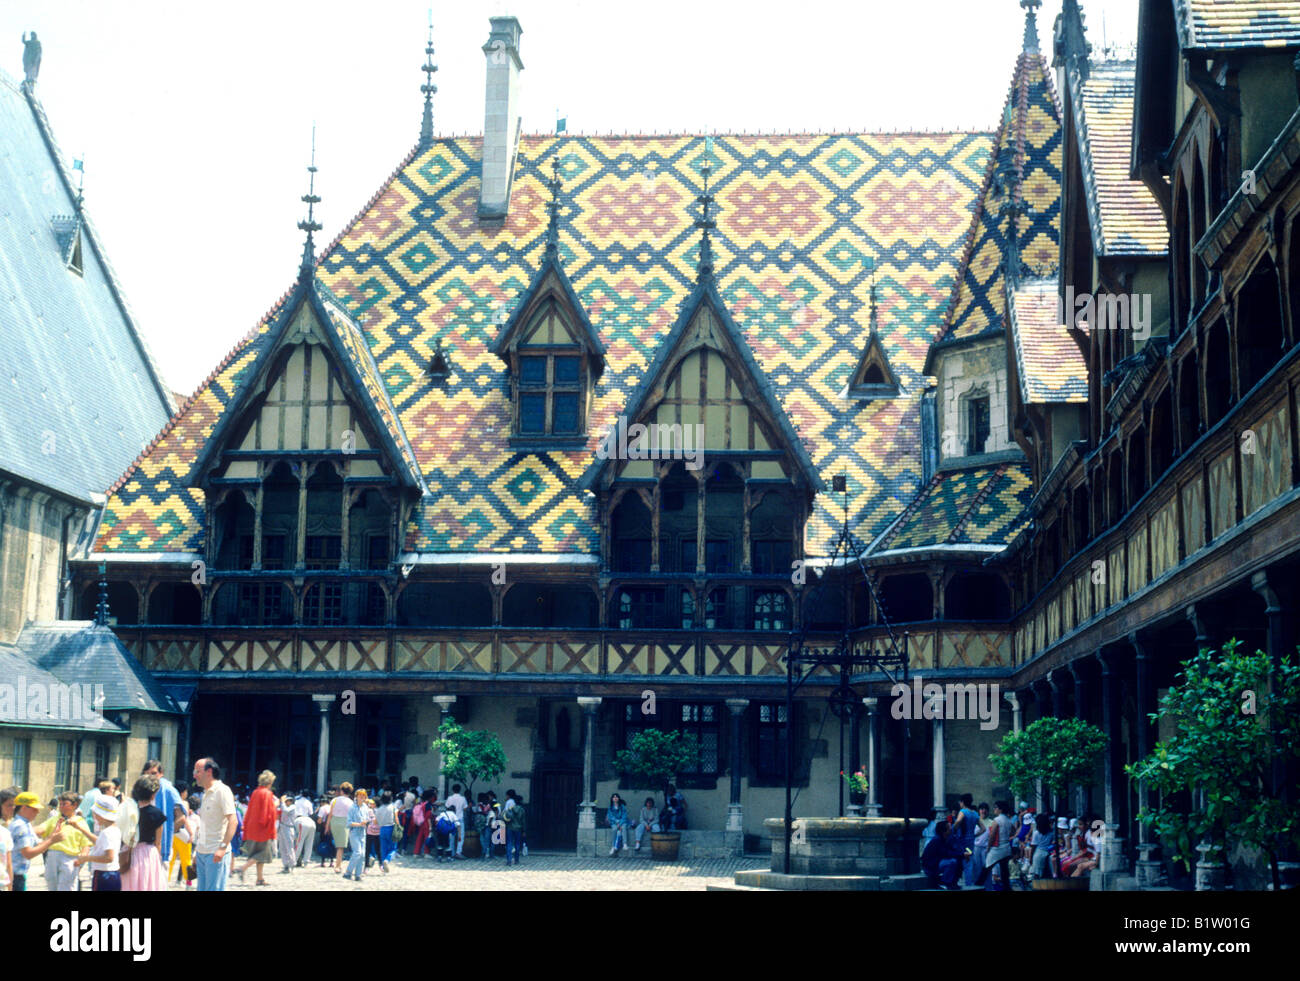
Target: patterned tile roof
{"x": 1050, "y": 365}
{"x": 975, "y": 506}
{"x": 798, "y": 216}
{"x": 1029, "y": 143}
{"x": 1123, "y": 214}
{"x": 1238, "y": 23}
{"x": 79, "y": 394}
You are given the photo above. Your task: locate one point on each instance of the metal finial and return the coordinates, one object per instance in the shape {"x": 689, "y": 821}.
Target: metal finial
{"x": 872, "y": 294}
{"x": 101, "y": 610}
{"x": 428, "y": 88}
{"x": 1031, "y": 25}
{"x": 706, "y": 224}
{"x": 553, "y": 225}
{"x": 310, "y": 225}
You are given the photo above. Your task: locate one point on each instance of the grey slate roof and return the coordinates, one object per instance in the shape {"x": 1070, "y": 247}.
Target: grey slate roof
{"x": 21, "y": 676}
{"x": 82, "y": 652}
{"x": 75, "y": 367}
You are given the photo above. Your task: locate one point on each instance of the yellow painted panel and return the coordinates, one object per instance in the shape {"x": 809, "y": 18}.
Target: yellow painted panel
{"x": 317, "y": 436}
{"x": 1223, "y": 491}
{"x": 293, "y": 375}
{"x": 715, "y": 427}
{"x": 1265, "y": 460}
{"x": 320, "y": 375}
{"x": 1193, "y": 514}
{"x": 768, "y": 470}
{"x": 293, "y": 427}
{"x": 242, "y": 468}
{"x": 366, "y": 468}
{"x": 717, "y": 381}
{"x": 638, "y": 468}
{"x": 690, "y": 375}
{"x": 740, "y": 426}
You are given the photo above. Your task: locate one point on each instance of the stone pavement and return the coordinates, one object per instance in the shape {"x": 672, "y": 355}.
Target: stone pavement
{"x": 540, "y": 871}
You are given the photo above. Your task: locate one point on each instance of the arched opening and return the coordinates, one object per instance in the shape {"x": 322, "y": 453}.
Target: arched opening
{"x": 1162, "y": 437}
{"x": 972, "y": 595}
{"x": 324, "y": 545}
{"x": 1115, "y": 488}
{"x": 369, "y": 531}
{"x": 1098, "y": 481}
{"x": 1189, "y": 411}
{"x": 1218, "y": 373}
{"x": 234, "y": 521}
{"x": 1137, "y": 466}
{"x": 907, "y": 598}
{"x": 724, "y": 503}
{"x": 123, "y": 602}
{"x": 1260, "y": 334}
{"x": 279, "y": 518}
{"x": 1079, "y": 514}
{"x": 678, "y": 524}
{"x": 771, "y": 534}
{"x": 534, "y": 605}
{"x": 630, "y": 528}
{"x": 444, "y": 604}
{"x": 177, "y": 603}
{"x": 252, "y": 604}
{"x": 1182, "y": 261}
{"x": 1198, "y": 275}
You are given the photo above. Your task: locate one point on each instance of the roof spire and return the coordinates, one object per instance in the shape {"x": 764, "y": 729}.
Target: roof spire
{"x": 428, "y": 88}
{"x": 705, "y": 223}
{"x": 1031, "y": 25}
{"x": 871, "y": 264}
{"x": 553, "y": 225}
{"x": 308, "y": 267}
{"x": 101, "y": 608}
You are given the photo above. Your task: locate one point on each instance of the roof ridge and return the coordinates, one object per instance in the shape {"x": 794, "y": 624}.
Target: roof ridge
{"x": 979, "y": 499}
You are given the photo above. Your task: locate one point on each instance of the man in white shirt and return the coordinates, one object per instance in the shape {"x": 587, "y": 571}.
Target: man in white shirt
{"x": 217, "y": 815}
{"x": 458, "y": 803}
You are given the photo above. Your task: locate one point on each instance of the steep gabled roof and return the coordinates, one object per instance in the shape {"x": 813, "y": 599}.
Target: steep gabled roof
{"x": 1029, "y": 139}
{"x": 359, "y": 374}
{"x": 519, "y": 317}
{"x": 799, "y": 216}
{"x": 1238, "y": 23}
{"x": 973, "y": 506}
{"x": 79, "y": 392}
{"x": 706, "y": 294}
{"x": 1123, "y": 215}
{"x": 1048, "y": 361}
{"x": 15, "y": 664}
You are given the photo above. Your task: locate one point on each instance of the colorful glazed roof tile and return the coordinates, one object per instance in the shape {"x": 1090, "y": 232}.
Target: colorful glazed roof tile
{"x": 79, "y": 393}
{"x": 798, "y": 216}
{"x": 974, "y": 506}
{"x": 1026, "y": 162}
{"x": 1050, "y": 365}
{"x": 1238, "y": 23}
{"x": 1123, "y": 214}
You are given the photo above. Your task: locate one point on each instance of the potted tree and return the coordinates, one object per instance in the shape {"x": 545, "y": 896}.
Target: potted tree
{"x": 469, "y": 755}
{"x": 1063, "y": 753}
{"x": 1235, "y": 716}
{"x": 652, "y": 762}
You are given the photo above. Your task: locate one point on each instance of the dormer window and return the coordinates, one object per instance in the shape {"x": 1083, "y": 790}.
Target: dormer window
{"x": 550, "y": 394}
{"x": 977, "y": 424}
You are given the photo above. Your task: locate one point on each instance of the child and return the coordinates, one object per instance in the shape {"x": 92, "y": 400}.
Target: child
{"x": 447, "y": 829}
{"x": 108, "y": 842}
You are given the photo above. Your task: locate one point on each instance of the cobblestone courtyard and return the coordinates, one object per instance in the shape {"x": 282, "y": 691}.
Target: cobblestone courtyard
{"x": 538, "y": 872}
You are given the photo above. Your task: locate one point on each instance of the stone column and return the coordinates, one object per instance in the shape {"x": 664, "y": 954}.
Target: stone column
{"x": 1149, "y": 869}
{"x": 737, "y": 708}
{"x": 873, "y": 752}
{"x": 323, "y": 703}
{"x": 587, "y": 813}
{"x": 444, "y": 703}
{"x": 1113, "y": 860}
{"x": 940, "y": 790}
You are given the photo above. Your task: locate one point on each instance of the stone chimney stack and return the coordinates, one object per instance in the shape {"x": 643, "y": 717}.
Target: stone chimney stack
{"x": 501, "y": 121}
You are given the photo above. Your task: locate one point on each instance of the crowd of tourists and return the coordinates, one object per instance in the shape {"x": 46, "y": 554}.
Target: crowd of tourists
{"x": 138, "y": 841}
{"x": 1008, "y": 848}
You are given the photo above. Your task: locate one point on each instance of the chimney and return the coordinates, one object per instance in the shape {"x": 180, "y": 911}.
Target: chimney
{"x": 501, "y": 121}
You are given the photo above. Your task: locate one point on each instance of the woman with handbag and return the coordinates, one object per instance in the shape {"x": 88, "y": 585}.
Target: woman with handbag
{"x": 141, "y": 863}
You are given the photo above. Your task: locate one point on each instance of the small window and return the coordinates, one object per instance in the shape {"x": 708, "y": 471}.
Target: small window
{"x": 22, "y": 761}
{"x": 62, "y": 766}
{"x": 717, "y": 610}
{"x": 687, "y": 551}
{"x": 977, "y": 424}
{"x": 155, "y": 748}
{"x": 717, "y": 555}
{"x": 688, "y": 609}
{"x": 273, "y": 552}
{"x": 771, "y": 558}
{"x": 769, "y": 762}
{"x": 770, "y": 610}
{"x": 549, "y": 391}
{"x": 323, "y": 604}
{"x": 632, "y": 555}
{"x": 324, "y": 551}
{"x": 377, "y": 552}
{"x": 640, "y": 609}
{"x": 101, "y": 760}
{"x": 700, "y": 719}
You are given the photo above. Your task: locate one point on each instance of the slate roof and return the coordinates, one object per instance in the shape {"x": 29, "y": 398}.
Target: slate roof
{"x": 972, "y": 506}
{"x": 17, "y": 670}
{"x": 1238, "y": 23}
{"x": 1029, "y": 137}
{"x": 63, "y": 334}
{"x": 82, "y": 652}
{"x": 1123, "y": 214}
{"x": 1050, "y": 365}
{"x": 798, "y": 216}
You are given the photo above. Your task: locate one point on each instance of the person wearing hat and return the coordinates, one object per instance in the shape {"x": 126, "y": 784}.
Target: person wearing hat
{"x": 27, "y": 844}
{"x": 60, "y": 861}
{"x": 104, "y": 874}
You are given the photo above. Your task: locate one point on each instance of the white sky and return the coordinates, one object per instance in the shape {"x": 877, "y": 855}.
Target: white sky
{"x": 195, "y": 120}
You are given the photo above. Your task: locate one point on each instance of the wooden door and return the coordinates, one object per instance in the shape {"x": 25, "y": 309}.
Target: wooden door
{"x": 553, "y": 821}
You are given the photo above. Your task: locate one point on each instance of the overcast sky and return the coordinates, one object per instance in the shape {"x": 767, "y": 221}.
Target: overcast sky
{"x": 195, "y": 120}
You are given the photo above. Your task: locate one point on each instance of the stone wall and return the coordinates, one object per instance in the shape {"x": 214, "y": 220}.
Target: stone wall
{"x": 31, "y": 535}
{"x": 962, "y": 372}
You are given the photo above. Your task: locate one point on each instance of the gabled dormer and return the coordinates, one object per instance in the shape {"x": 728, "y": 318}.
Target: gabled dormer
{"x": 553, "y": 354}
{"x": 873, "y": 378}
